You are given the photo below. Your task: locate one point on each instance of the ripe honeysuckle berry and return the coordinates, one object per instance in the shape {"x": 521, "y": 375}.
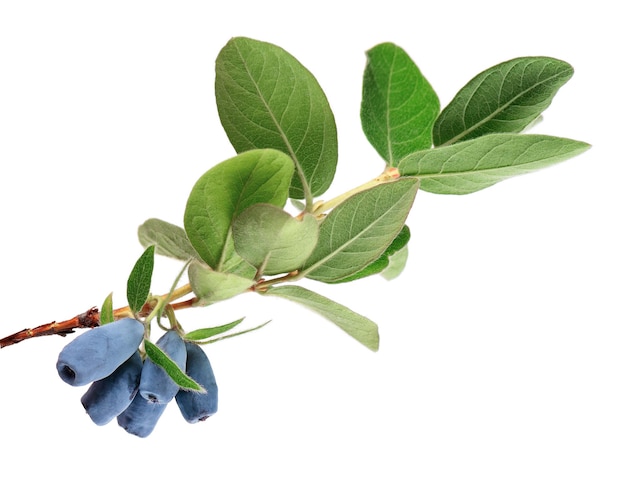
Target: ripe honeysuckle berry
{"x": 196, "y": 406}
{"x": 155, "y": 384}
{"x": 98, "y": 352}
{"x": 108, "y": 397}
{"x": 141, "y": 417}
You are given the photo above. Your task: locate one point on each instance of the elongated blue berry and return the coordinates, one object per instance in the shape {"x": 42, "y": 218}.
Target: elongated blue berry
{"x": 196, "y": 406}
{"x": 155, "y": 384}
{"x": 108, "y": 397}
{"x": 98, "y": 352}
{"x": 141, "y": 417}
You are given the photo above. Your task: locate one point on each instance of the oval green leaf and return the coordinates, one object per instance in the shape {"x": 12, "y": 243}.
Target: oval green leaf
{"x": 139, "y": 280}
{"x": 473, "y": 165}
{"x": 399, "y": 106}
{"x": 272, "y": 240}
{"x": 171, "y": 368}
{"x": 228, "y": 189}
{"x": 358, "y": 326}
{"x": 359, "y": 230}
{"x": 397, "y": 262}
{"x": 386, "y": 260}
{"x": 106, "y": 312}
{"x": 169, "y": 240}
{"x": 268, "y": 99}
{"x": 505, "y": 98}
{"x": 210, "y": 286}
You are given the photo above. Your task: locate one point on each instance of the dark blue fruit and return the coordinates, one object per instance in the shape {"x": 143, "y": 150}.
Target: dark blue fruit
{"x": 196, "y": 406}
{"x": 98, "y": 352}
{"x": 155, "y": 384}
{"x": 141, "y": 416}
{"x": 108, "y": 397}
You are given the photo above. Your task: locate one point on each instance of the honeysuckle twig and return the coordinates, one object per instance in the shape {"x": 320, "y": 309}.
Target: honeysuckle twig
{"x": 390, "y": 174}
{"x": 88, "y": 319}
{"x": 91, "y": 319}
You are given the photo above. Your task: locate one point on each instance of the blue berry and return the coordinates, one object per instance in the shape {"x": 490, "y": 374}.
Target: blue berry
{"x": 196, "y": 406}
{"x": 108, "y": 397}
{"x": 141, "y": 417}
{"x": 98, "y": 352}
{"x": 155, "y": 384}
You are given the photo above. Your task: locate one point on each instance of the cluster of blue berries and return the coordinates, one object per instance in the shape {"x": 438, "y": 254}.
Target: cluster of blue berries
{"x": 135, "y": 391}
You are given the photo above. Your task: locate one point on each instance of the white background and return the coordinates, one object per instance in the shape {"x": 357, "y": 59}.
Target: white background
{"x": 503, "y": 348}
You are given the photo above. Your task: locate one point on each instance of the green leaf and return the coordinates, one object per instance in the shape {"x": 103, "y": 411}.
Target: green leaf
{"x": 272, "y": 240}
{"x": 505, "y": 98}
{"x": 298, "y": 204}
{"x": 204, "y": 333}
{"x": 359, "y": 230}
{"x": 382, "y": 263}
{"x": 359, "y": 327}
{"x": 106, "y": 312}
{"x": 267, "y": 99}
{"x": 228, "y": 189}
{"x": 239, "y": 333}
{"x": 171, "y": 368}
{"x": 478, "y": 163}
{"x": 138, "y": 286}
{"x": 234, "y": 263}
{"x": 397, "y": 262}
{"x": 169, "y": 240}
{"x": 211, "y": 286}
{"x": 399, "y": 106}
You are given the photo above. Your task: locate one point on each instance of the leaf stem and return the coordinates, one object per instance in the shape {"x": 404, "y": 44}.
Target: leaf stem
{"x": 390, "y": 174}
{"x": 180, "y": 292}
{"x": 263, "y": 285}
{"x": 184, "y": 304}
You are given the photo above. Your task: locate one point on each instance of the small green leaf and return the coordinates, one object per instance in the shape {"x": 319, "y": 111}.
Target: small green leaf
{"x": 171, "y": 368}
{"x": 234, "y": 263}
{"x": 359, "y": 230}
{"x": 272, "y": 240}
{"x": 478, "y": 163}
{"x": 298, "y": 204}
{"x": 211, "y": 286}
{"x": 228, "y": 189}
{"x": 169, "y": 240}
{"x": 399, "y": 106}
{"x": 106, "y": 312}
{"x": 205, "y": 333}
{"x": 505, "y": 98}
{"x": 359, "y": 327}
{"x": 239, "y": 333}
{"x": 138, "y": 286}
{"x": 267, "y": 99}
{"x": 397, "y": 262}
{"x": 382, "y": 263}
